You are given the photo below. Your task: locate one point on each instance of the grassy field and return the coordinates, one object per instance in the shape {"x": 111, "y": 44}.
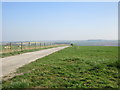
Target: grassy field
{"x": 27, "y": 50}
{"x": 73, "y": 67}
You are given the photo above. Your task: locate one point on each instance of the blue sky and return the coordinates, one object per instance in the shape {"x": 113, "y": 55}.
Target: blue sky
{"x": 24, "y": 21}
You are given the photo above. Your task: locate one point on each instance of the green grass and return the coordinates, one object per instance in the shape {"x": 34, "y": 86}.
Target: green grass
{"x": 24, "y": 51}
{"x": 73, "y": 67}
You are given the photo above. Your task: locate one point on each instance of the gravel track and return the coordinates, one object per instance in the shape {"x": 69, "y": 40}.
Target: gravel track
{"x": 10, "y": 64}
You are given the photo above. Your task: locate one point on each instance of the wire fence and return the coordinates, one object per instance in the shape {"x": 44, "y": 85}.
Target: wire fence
{"x": 21, "y": 46}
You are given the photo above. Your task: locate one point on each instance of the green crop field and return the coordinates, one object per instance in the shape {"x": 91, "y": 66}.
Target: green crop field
{"x": 73, "y": 67}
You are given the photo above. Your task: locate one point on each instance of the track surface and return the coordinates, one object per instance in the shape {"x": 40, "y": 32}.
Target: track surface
{"x": 10, "y": 64}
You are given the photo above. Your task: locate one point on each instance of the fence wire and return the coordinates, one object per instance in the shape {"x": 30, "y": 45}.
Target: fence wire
{"x": 20, "y": 46}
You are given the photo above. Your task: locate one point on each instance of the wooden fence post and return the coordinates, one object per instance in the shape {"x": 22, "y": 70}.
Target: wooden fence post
{"x": 40, "y": 44}
{"x": 29, "y": 45}
{"x": 10, "y": 45}
{"x": 44, "y": 43}
{"x": 35, "y": 45}
{"x": 21, "y": 46}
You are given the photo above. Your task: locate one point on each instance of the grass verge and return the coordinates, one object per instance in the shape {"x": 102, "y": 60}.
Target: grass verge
{"x": 73, "y": 67}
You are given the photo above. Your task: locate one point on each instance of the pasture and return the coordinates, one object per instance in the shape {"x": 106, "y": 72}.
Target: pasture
{"x": 73, "y": 67}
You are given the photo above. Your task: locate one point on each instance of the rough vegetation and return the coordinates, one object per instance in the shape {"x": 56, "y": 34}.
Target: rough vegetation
{"x": 73, "y": 67}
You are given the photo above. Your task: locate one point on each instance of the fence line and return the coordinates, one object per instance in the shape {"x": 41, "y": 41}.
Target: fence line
{"x": 20, "y": 46}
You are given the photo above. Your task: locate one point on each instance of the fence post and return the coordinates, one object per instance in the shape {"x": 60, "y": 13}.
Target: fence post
{"x": 29, "y": 45}
{"x": 35, "y": 45}
{"x": 21, "y": 46}
{"x": 10, "y": 45}
{"x": 44, "y": 43}
{"x": 40, "y": 44}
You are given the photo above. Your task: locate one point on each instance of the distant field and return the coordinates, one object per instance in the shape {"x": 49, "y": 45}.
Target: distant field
{"x": 73, "y": 67}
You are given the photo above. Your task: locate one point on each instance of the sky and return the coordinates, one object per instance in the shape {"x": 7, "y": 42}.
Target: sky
{"x": 28, "y": 21}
